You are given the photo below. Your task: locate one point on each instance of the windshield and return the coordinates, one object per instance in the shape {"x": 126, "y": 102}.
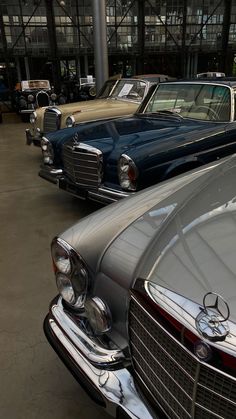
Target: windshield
{"x": 195, "y": 101}
{"x": 106, "y": 89}
{"x": 130, "y": 89}
{"x": 35, "y": 84}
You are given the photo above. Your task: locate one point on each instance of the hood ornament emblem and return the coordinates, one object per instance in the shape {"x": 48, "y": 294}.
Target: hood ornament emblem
{"x": 76, "y": 139}
{"x": 211, "y": 322}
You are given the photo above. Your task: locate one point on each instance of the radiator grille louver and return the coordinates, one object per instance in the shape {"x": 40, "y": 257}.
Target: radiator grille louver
{"x": 179, "y": 383}
{"x": 42, "y": 99}
{"x": 52, "y": 120}
{"x": 83, "y": 165}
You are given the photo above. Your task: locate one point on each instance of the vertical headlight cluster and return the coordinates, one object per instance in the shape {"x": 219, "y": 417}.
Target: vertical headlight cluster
{"x": 71, "y": 273}
{"x": 33, "y": 117}
{"x": 128, "y": 173}
{"x": 47, "y": 150}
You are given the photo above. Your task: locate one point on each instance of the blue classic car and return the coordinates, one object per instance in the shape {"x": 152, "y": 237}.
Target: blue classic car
{"x": 180, "y": 126}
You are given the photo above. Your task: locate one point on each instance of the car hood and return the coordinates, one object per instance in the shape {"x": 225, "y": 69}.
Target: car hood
{"x": 95, "y": 237}
{"x": 186, "y": 243}
{"x": 125, "y": 133}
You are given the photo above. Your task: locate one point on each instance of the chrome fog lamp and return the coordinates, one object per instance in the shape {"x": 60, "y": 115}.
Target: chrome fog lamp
{"x": 128, "y": 173}
{"x": 33, "y": 117}
{"x": 70, "y": 121}
{"x": 98, "y": 315}
{"x": 65, "y": 288}
{"x": 53, "y": 97}
{"x": 61, "y": 257}
{"x": 30, "y": 98}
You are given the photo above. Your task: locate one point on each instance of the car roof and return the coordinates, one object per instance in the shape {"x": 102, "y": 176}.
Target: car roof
{"x": 229, "y": 81}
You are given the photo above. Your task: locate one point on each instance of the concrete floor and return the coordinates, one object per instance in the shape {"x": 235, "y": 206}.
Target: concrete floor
{"x": 34, "y": 384}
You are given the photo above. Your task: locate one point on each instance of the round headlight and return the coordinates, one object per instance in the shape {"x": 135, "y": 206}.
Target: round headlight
{"x": 33, "y": 117}
{"x": 65, "y": 288}
{"x": 53, "y": 97}
{"x": 70, "y": 121}
{"x": 128, "y": 173}
{"x": 30, "y": 98}
{"x": 61, "y": 258}
{"x": 98, "y": 315}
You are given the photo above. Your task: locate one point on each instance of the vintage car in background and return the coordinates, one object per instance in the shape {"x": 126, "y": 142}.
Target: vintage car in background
{"x": 32, "y": 94}
{"x": 145, "y": 318}
{"x": 179, "y": 126}
{"x": 210, "y": 74}
{"x": 116, "y": 98}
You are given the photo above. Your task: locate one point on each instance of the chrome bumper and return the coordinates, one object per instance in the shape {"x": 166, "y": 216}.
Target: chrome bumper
{"x": 103, "y": 194}
{"x": 97, "y": 369}
{"x": 33, "y": 138}
{"x": 50, "y": 173}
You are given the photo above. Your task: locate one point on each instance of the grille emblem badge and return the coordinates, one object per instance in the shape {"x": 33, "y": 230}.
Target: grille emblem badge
{"x": 211, "y": 322}
{"x": 203, "y": 351}
{"x": 76, "y": 139}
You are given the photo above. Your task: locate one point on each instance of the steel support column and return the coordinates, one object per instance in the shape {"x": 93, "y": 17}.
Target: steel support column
{"x": 100, "y": 42}
{"x": 225, "y": 66}
{"x": 183, "y": 48}
{"x": 141, "y": 36}
{"x": 6, "y": 53}
{"x": 56, "y": 73}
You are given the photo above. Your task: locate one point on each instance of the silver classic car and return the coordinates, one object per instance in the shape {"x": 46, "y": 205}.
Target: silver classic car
{"x": 145, "y": 318}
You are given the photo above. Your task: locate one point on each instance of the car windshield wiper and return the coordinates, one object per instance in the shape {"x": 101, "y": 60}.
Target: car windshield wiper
{"x": 165, "y": 112}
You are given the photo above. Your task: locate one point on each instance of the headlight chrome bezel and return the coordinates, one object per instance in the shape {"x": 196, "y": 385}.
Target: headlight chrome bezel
{"x": 53, "y": 97}
{"x": 70, "y": 121}
{"x": 30, "y": 98}
{"x": 33, "y": 117}
{"x": 47, "y": 151}
{"x": 127, "y": 173}
{"x": 77, "y": 273}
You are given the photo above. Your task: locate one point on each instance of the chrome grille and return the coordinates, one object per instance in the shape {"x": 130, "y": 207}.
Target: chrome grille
{"x": 83, "y": 165}
{"x": 178, "y": 382}
{"x": 52, "y": 120}
{"x": 42, "y": 99}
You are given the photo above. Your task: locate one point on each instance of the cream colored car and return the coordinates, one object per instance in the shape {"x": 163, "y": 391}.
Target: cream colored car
{"x": 117, "y": 98}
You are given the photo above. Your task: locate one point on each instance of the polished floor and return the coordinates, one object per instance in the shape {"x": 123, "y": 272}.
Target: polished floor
{"x": 34, "y": 384}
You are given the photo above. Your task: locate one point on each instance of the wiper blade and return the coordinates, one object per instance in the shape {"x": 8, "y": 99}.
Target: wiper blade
{"x": 165, "y": 112}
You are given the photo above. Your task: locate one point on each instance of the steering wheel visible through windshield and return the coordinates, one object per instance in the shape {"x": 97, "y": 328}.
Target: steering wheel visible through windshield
{"x": 192, "y": 100}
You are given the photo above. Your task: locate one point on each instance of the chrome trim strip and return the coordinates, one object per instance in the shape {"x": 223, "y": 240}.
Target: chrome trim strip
{"x": 116, "y": 387}
{"x": 210, "y": 412}
{"x": 107, "y": 194}
{"x": 50, "y": 173}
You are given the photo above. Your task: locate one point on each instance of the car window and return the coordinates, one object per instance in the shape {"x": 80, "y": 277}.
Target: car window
{"x": 195, "y": 101}
{"x": 35, "y": 84}
{"x": 130, "y": 89}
